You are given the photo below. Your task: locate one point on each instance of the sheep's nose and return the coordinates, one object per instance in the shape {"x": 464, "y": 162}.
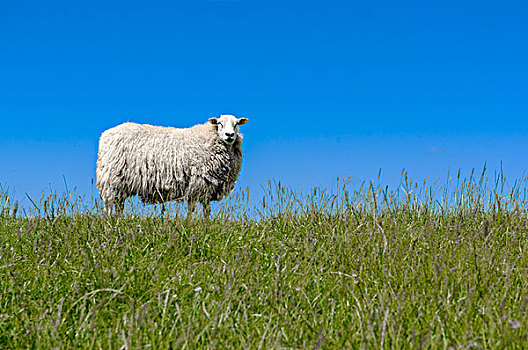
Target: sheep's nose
{"x": 230, "y": 134}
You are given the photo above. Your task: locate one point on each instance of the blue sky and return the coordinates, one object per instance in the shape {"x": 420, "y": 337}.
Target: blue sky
{"x": 331, "y": 88}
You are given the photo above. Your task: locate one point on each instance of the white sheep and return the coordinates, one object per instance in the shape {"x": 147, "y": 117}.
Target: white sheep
{"x": 161, "y": 164}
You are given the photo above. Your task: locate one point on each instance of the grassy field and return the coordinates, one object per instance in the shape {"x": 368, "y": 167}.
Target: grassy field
{"x": 420, "y": 267}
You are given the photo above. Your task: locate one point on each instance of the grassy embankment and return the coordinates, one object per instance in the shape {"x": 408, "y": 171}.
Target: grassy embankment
{"x": 357, "y": 268}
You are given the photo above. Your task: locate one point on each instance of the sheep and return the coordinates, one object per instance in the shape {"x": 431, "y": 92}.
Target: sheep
{"x": 162, "y": 164}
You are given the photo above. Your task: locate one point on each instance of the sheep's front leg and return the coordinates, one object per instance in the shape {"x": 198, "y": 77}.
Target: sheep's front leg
{"x": 206, "y": 210}
{"x": 190, "y": 209}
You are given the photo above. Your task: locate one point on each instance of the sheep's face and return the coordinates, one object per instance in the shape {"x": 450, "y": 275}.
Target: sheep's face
{"x": 227, "y": 127}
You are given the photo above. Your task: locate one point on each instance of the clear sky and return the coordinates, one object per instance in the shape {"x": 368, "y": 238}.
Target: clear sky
{"x": 331, "y": 88}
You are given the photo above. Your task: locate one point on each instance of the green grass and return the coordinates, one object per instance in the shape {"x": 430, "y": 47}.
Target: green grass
{"x": 424, "y": 267}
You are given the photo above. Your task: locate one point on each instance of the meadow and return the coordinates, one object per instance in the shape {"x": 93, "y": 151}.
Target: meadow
{"x": 420, "y": 266}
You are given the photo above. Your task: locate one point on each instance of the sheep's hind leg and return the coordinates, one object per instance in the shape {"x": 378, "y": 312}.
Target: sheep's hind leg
{"x": 119, "y": 206}
{"x": 113, "y": 199}
{"x": 108, "y": 207}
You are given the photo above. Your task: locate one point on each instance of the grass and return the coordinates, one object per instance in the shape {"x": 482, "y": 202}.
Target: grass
{"x": 419, "y": 267}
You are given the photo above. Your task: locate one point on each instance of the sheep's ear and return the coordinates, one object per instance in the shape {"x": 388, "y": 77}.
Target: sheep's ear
{"x": 242, "y": 121}
{"x": 213, "y": 121}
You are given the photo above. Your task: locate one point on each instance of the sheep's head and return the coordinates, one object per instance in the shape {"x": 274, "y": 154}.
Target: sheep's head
{"x": 227, "y": 127}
